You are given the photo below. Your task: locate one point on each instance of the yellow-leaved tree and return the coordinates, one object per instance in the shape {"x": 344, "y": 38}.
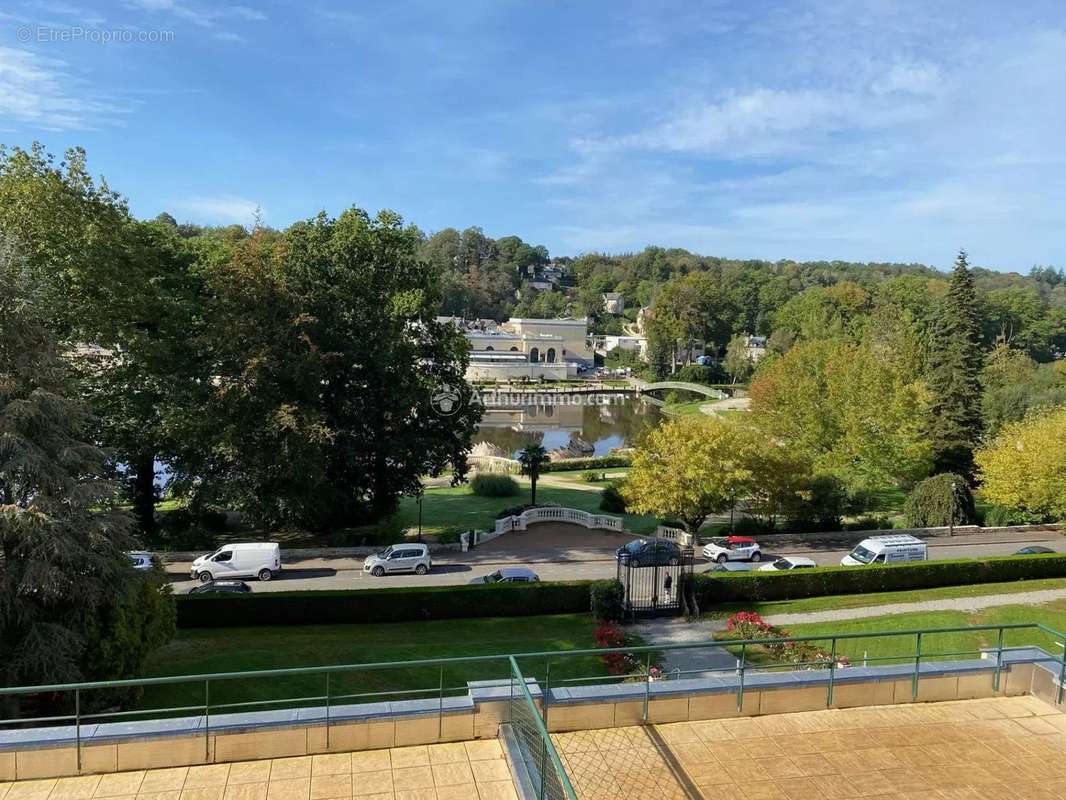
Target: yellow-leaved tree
{"x": 1025, "y": 465}
{"x": 692, "y": 467}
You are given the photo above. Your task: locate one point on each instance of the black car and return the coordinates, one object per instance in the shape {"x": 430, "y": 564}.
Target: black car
{"x": 650, "y": 553}
{"x": 221, "y": 587}
{"x": 1034, "y": 550}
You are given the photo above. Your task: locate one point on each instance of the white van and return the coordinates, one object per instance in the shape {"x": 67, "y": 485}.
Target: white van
{"x": 250, "y": 560}
{"x": 886, "y": 550}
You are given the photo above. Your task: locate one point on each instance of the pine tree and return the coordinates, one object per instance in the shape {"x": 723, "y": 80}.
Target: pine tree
{"x": 954, "y": 376}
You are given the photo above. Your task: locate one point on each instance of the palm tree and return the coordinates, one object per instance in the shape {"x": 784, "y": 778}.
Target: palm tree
{"x": 532, "y": 458}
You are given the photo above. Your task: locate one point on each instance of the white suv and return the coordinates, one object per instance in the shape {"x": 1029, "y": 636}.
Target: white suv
{"x": 399, "y": 558}
{"x": 732, "y": 548}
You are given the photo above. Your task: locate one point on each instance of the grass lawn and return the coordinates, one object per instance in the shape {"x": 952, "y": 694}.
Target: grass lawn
{"x": 833, "y": 602}
{"x": 938, "y": 646}
{"x": 213, "y": 650}
{"x": 683, "y": 409}
{"x": 459, "y": 507}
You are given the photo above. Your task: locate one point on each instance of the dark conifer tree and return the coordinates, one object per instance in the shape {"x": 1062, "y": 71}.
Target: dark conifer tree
{"x": 954, "y": 376}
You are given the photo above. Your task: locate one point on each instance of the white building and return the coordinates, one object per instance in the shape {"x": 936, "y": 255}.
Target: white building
{"x": 552, "y": 349}
{"x": 613, "y": 303}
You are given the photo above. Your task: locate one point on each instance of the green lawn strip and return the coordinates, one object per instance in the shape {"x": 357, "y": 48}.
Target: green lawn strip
{"x": 684, "y": 409}
{"x": 836, "y": 602}
{"x": 203, "y": 650}
{"x": 459, "y": 507}
{"x": 953, "y": 645}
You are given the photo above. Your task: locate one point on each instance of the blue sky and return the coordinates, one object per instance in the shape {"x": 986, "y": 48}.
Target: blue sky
{"x": 871, "y": 131}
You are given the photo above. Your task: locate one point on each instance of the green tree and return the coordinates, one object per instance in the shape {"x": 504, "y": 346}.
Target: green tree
{"x": 692, "y": 467}
{"x": 847, "y": 411}
{"x": 1024, "y": 467}
{"x": 940, "y": 500}
{"x": 66, "y": 586}
{"x": 737, "y": 360}
{"x": 532, "y": 458}
{"x": 326, "y": 358}
{"x": 954, "y": 376}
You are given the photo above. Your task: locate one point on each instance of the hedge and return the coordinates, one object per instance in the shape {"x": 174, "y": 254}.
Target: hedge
{"x": 382, "y": 605}
{"x": 599, "y": 462}
{"x": 736, "y": 587}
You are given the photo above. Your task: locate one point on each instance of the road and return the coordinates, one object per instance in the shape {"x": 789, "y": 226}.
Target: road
{"x": 460, "y": 568}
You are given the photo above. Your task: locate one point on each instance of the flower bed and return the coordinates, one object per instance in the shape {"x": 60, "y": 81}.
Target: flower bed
{"x": 749, "y": 625}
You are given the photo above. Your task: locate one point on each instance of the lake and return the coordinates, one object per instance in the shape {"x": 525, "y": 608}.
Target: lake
{"x": 605, "y": 421}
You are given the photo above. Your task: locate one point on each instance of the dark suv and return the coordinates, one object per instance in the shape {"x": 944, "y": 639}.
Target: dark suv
{"x": 650, "y": 553}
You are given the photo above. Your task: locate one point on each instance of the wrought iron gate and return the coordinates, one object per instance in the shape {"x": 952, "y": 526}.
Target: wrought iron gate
{"x": 656, "y": 590}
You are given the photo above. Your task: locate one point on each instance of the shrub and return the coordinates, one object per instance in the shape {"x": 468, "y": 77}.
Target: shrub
{"x": 820, "y": 507}
{"x": 450, "y": 535}
{"x": 514, "y": 511}
{"x": 592, "y": 476}
{"x": 720, "y": 587}
{"x": 1002, "y": 516}
{"x": 597, "y": 462}
{"x": 748, "y": 526}
{"x": 494, "y": 484}
{"x": 933, "y": 501}
{"x": 612, "y": 501}
{"x": 870, "y": 522}
{"x": 697, "y": 373}
{"x": 609, "y": 634}
{"x": 382, "y": 605}
{"x": 606, "y": 600}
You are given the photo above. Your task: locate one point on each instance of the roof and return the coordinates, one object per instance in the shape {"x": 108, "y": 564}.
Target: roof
{"x": 739, "y": 539}
{"x": 613, "y": 295}
{"x": 515, "y": 572}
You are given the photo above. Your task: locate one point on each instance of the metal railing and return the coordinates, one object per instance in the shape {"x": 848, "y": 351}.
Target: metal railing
{"x": 575, "y": 516}
{"x": 342, "y": 685}
{"x": 539, "y": 757}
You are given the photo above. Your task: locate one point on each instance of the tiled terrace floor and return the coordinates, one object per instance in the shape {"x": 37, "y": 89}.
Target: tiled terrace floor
{"x": 461, "y": 771}
{"x": 999, "y": 748}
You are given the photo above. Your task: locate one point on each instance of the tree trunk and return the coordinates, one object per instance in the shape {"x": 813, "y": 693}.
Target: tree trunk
{"x": 144, "y": 492}
{"x": 533, "y": 488}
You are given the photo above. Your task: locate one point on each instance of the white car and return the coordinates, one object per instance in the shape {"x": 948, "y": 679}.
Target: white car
{"x": 732, "y": 548}
{"x": 399, "y": 558}
{"x": 790, "y": 562}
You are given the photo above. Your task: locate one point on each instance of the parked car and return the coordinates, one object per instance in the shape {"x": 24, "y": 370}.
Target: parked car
{"x": 649, "y": 553}
{"x": 399, "y": 558}
{"x": 509, "y": 575}
{"x": 1034, "y": 550}
{"x": 243, "y": 560}
{"x": 732, "y": 548}
{"x": 787, "y": 562}
{"x": 887, "y": 550}
{"x": 731, "y": 566}
{"x": 141, "y": 559}
{"x": 221, "y": 587}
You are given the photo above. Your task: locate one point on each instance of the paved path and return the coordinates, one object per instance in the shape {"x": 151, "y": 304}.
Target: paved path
{"x": 678, "y": 631}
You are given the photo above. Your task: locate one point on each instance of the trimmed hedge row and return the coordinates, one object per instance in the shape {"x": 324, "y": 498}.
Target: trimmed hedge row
{"x": 597, "y": 462}
{"x": 383, "y": 605}
{"x": 795, "y": 584}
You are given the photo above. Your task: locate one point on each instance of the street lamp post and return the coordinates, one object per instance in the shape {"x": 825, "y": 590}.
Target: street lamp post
{"x": 951, "y": 519}
{"x": 421, "y": 492}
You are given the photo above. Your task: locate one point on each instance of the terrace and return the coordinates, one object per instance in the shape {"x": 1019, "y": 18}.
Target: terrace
{"x": 913, "y": 723}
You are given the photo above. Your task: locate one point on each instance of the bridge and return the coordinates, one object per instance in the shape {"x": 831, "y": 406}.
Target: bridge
{"x": 706, "y": 391}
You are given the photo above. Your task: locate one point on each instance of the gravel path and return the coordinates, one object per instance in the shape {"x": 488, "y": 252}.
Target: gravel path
{"x": 678, "y": 631}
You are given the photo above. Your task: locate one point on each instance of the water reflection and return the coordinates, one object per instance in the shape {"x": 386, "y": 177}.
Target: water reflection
{"x": 615, "y": 421}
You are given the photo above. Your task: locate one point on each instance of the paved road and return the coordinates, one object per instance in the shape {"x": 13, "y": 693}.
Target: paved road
{"x": 592, "y": 559}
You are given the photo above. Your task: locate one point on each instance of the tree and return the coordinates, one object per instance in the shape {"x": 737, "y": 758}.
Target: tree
{"x": 1024, "y": 467}
{"x": 737, "y": 360}
{"x": 325, "y": 359}
{"x": 532, "y": 458}
{"x": 955, "y": 376}
{"x": 691, "y": 467}
{"x": 847, "y": 411}
{"x": 939, "y": 501}
{"x": 67, "y": 589}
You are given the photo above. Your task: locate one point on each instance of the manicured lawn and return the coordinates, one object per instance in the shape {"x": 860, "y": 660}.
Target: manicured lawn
{"x": 459, "y": 507}
{"x": 935, "y": 646}
{"x": 683, "y": 409}
{"x": 207, "y": 650}
{"x": 881, "y": 598}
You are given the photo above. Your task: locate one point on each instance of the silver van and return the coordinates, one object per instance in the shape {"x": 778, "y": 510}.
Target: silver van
{"x": 886, "y": 550}
{"x": 244, "y": 560}
{"x": 399, "y": 558}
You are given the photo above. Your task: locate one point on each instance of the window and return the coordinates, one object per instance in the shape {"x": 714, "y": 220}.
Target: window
{"x": 225, "y": 555}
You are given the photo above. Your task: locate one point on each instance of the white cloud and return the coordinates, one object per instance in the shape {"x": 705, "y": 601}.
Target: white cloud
{"x": 221, "y": 209}
{"x": 42, "y": 93}
{"x": 912, "y": 78}
{"x": 201, "y": 16}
